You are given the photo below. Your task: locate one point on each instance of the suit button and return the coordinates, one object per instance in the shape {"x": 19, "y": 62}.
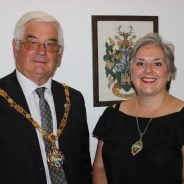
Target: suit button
{"x": 41, "y": 168}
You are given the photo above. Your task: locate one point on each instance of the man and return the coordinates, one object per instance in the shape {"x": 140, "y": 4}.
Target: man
{"x": 44, "y": 137}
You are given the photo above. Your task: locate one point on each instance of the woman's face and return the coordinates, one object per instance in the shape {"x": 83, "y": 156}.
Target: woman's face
{"x": 149, "y": 72}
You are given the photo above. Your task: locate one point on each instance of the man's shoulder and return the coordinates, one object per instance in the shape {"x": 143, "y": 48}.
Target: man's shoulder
{"x": 60, "y": 86}
{"x": 7, "y": 79}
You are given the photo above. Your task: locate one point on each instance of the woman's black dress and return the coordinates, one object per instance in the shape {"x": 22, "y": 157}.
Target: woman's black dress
{"x": 160, "y": 161}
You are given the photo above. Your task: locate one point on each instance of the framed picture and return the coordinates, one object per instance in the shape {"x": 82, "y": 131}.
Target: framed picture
{"x": 113, "y": 38}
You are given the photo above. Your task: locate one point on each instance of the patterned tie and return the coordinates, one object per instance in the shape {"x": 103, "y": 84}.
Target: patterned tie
{"x": 57, "y": 177}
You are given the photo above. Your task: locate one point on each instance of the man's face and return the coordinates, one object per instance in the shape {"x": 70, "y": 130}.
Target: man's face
{"x": 38, "y": 64}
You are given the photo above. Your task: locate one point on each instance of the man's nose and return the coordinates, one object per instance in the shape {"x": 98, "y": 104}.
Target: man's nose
{"x": 42, "y": 49}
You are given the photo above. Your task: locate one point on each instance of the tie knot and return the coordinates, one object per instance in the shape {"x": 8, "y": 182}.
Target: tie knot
{"x": 40, "y": 92}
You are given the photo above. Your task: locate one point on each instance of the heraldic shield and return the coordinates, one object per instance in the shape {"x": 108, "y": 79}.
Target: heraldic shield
{"x": 116, "y": 61}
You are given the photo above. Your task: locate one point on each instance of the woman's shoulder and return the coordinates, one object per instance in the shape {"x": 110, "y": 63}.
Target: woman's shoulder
{"x": 105, "y": 121}
{"x": 128, "y": 107}
{"x": 175, "y": 104}
{"x": 110, "y": 110}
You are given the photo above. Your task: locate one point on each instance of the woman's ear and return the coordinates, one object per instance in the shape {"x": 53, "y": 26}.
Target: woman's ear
{"x": 168, "y": 78}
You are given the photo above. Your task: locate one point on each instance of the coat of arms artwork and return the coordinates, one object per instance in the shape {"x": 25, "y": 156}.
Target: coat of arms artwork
{"x": 117, "y": 62}
{"x": 113, "y": 40}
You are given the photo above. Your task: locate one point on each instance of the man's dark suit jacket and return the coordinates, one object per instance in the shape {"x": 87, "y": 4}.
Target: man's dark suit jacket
{"x": 20, "y": 156}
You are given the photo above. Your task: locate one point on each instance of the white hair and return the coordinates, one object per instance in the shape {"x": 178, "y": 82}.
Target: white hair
{"x": 38, "y": 16}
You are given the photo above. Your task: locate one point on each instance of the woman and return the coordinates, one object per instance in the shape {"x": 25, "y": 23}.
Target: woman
{"x": 141, "y": 139}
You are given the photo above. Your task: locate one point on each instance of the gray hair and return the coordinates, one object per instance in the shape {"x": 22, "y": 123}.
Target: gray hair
{"x": 38, "y": 16}
{"x": 168, "y": 49}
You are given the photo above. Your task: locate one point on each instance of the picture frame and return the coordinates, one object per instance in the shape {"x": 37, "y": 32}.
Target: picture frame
{"x": 112, "y": 40}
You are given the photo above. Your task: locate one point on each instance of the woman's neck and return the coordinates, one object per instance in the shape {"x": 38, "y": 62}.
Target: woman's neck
{"x": 151, "y": 105}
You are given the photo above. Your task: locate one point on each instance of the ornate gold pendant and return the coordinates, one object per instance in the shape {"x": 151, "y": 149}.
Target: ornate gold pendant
{"x": 137, "y": 147}
{"x": 55, "y": 158}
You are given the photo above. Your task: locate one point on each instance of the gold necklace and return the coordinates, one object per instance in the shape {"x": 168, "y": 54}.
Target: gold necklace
{"x": 138, "y": 145}
{"x": 55, "y": 157}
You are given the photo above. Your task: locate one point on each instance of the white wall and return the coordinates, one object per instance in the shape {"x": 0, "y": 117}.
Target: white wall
{"x": 75, "y": 18}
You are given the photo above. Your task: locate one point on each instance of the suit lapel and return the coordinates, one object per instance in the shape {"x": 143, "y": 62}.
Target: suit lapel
{"x": 24, "y": 128}
{"x": 59, "y": 100}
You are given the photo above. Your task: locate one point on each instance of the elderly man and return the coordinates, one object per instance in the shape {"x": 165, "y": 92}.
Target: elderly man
{"x": 44, "y": 136}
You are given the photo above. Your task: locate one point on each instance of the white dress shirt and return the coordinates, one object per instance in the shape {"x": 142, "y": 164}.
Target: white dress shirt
{"x": 32, "y": 99}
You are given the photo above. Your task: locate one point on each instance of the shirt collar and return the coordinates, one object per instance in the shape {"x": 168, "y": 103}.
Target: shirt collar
{"x": 28, "y": 86}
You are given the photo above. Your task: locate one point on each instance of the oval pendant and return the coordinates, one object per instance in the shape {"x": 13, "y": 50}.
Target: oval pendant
{"x": 137, "y": 147}
{"x": 55, "y": 158}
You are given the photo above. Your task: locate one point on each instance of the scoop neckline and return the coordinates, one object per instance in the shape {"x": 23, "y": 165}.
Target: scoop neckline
{"x": 156, "y": 117}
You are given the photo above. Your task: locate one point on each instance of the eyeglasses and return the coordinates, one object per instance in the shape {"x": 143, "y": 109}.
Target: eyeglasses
{"x": 34, "y": 45}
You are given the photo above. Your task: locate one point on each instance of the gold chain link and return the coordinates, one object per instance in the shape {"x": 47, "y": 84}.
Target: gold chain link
{"x": 50, "y": 137}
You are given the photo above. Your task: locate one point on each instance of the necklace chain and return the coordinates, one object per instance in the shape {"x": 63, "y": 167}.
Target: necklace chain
{"x": 138, "y": 145}
{"x": 141, "y": 134}
{"x": 49, "y": 136}
{"x": 138, "y": 128}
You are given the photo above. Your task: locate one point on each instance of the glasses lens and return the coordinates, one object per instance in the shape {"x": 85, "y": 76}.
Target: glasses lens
{"x": 31, "y": 45}
{"x": 52, "y": 47}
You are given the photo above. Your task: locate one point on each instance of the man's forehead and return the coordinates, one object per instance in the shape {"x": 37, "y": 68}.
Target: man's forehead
{"x": 41, "y": 30}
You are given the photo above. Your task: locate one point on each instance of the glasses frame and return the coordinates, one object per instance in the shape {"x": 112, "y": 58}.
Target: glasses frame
{"x": 24, "y": 42}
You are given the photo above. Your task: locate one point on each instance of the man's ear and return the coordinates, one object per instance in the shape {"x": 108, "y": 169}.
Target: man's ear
{"x": 60, "y": 55}
{"x": 15, "y": 47}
